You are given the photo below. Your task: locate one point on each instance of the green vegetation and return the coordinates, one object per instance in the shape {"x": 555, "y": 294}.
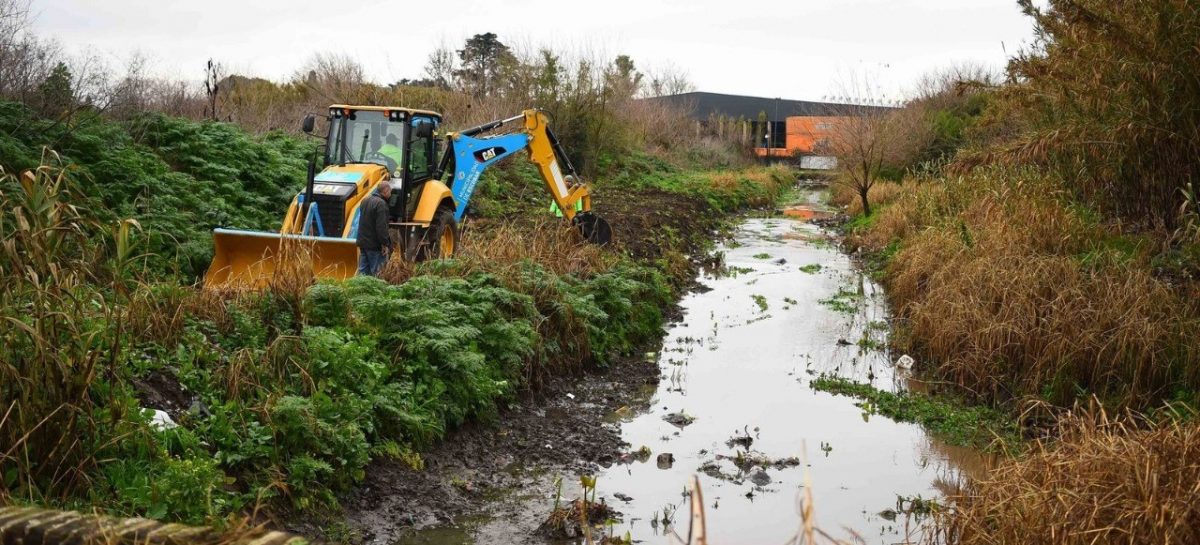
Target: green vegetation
{"x": 760, "y": 301}
{"x": 811, "y": 268}
{"x": 762, "y": 255}
{"x": 844, "y": 301}
{"x": 949, "y": 420}
{"x": 867, "y": 343}
{"x": 179, "y": 178}
{"x": 296, "y": 391}
{"x": 724, "y": 190}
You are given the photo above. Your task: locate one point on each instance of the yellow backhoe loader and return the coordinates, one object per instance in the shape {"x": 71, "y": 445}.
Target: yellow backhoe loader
{"x": 371, "y": 145}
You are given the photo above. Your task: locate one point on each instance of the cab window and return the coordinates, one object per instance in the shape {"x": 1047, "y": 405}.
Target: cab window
{"x": 369, "y": 138}
{"x": 421, "y": 149}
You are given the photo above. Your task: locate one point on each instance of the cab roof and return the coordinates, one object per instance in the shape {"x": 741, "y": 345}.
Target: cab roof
{"x": 385, "y": 109}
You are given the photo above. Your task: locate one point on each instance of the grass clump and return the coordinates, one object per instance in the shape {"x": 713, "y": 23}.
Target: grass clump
{"x": 844, "y": 301}
{"x": 953, "y": 422}
{"x": 1103, "y": 480}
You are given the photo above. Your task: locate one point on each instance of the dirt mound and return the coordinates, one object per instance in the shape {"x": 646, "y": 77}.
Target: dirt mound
{"x": 645, "y": 222}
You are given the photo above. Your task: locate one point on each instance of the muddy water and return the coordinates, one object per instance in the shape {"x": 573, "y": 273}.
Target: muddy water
{"x": 742, "y": 370}
{"x": 788, "y": 308}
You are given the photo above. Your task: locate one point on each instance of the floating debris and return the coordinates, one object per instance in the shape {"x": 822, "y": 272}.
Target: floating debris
{"x": 569, "y": 522}
{"x": 680, "y": 419}
{"x": 743, "y": 441}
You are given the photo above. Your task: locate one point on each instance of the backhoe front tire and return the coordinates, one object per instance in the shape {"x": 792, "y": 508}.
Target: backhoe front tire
{"x": 440, "y": 240}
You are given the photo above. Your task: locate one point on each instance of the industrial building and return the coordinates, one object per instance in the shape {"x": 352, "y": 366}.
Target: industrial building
{"x": 773, "y": 127}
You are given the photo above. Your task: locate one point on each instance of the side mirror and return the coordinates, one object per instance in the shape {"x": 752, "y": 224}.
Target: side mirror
{"x": 424, "y": 130}
{"x": 309, "y": 122}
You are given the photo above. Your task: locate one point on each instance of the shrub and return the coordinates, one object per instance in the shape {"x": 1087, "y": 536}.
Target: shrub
{"x": 1106, "y": 97}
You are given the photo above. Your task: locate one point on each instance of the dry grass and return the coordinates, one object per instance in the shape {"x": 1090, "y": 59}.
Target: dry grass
{"x": 501, "y": 248}
{"x": 550, "y": 242}
{"x": 881, "y": 193}
{"x": 1112, "y": 481}
{"x": 1013, "y": 294}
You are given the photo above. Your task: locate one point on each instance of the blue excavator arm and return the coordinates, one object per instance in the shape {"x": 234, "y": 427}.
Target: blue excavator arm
{"x": 468, "y": 155}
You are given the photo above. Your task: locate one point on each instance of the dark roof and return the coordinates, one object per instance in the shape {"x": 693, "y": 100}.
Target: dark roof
{"x": 705, "y": 105}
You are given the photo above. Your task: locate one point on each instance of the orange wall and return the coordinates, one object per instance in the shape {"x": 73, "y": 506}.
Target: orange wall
{"x": 804, "y": 132}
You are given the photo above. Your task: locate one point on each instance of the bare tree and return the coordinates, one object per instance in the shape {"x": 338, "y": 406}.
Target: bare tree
{"x": 440, "y": 66}
{"x": 25, "y": 61}
{"x": 866, "y": 136}
{"x": 333, "y": 77}
{"x": 213, "y": 74}
{"x": 131, "y": 94}
{"x": 668, "y": 80}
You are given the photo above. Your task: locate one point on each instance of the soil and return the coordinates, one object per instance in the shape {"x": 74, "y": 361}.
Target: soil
{"x": 161, "y": 390}
{"x": 647, "y": 221}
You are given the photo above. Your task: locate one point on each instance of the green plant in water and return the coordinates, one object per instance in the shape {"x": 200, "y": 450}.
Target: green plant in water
{"x": 949, "y": 420}
{"x": 843, "y": 301}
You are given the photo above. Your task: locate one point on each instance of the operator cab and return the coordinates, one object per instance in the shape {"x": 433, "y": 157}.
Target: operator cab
{"x": 399, "y": 139}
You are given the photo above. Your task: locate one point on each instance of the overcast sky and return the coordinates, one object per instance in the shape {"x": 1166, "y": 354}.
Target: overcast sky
{"x": 800, "y": 49}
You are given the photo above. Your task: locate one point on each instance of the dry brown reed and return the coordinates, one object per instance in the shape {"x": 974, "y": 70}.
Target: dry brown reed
{"x": 1105, "y": 480}
{"x": 501, "y": 247}
{"x": 881, "y": 194}
{"x": 550, "y": 242}
{"x": 1014, "y": 294}
{"x": 51, "y": 349}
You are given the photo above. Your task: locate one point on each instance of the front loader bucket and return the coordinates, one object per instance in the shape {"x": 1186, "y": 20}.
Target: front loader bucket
{"x": 251, "y": 259}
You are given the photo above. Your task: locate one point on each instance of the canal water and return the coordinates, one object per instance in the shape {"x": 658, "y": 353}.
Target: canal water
{"x": 789, "y": 308}
{"x": 735, "y": 407}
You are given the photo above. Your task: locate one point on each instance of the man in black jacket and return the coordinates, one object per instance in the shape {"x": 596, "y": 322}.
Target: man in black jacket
{"x": 374, "y": 241}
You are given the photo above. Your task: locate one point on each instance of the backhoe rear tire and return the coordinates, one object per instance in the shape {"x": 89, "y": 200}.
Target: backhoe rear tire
{"x": 440, "y": 240}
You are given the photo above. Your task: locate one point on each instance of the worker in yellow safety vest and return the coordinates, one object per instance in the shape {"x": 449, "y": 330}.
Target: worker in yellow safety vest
{"x": 391, "y": 149}
{"x": 554, "y": 204}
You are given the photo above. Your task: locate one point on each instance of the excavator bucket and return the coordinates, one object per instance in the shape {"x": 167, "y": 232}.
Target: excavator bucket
{"x": 253, "y": 259}
{"x": 593, "y": 228}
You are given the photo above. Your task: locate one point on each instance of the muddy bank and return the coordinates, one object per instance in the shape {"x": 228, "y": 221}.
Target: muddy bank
{"x": 562, "y": 429}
